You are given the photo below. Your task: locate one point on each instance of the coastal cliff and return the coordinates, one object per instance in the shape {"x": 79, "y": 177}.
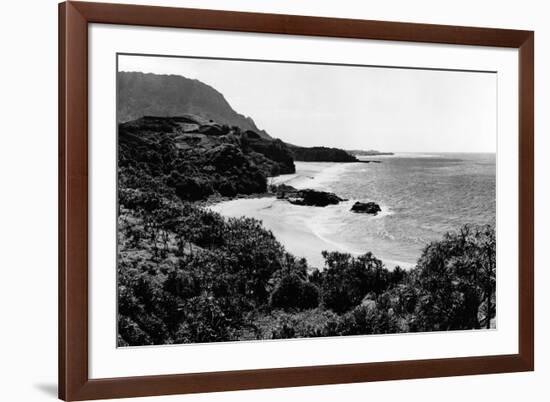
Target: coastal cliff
{"x": 141, "y": 94}
{"x": 321, "y": 154}
{"x": 173, "y": 96}
{"x": 200, "y": 158}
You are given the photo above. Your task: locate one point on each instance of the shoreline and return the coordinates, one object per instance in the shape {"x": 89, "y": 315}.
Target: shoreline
{"x": 300, "y": 228}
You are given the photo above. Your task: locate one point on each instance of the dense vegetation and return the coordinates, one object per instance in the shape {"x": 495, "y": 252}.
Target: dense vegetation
{"x": 186, "y": 274}
{"x": 199, "y": 160}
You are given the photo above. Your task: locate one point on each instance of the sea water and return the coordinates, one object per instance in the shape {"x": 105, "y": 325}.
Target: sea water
{"x": 422, "y": 196}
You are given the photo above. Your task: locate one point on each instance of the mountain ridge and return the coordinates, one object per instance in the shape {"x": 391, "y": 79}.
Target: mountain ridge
{"x": 166, "y": 99}
{"x": 169, "y": 95}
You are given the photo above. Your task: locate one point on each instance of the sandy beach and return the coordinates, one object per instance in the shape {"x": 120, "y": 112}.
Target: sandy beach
{"x": 313, "y": 175}
{"x": 291, "y": 224}
{"x": 303, "y": 230}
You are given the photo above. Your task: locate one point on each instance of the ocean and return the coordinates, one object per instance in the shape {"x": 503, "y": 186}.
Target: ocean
{"x": 422, "y": 196}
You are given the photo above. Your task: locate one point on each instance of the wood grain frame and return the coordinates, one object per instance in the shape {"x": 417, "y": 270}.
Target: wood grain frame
{"x": 74, "y": 383}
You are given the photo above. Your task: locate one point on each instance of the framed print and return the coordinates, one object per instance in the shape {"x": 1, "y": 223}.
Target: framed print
{"x": 259, "y": 200}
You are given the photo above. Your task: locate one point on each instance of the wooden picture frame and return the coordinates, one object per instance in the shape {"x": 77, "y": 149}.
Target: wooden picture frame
{"x": 74, "y": 381}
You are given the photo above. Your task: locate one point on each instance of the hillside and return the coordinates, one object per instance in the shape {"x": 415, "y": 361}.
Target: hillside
{"x": 188, "y": 275}
{"x": 141, "y": 94}
{"x": 321, "y": 154}
{"x": 151, "y": 95}
{"x": 199, "y": 160}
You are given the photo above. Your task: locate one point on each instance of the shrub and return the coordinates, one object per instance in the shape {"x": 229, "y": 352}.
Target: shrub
{"x": 130, "y": 334}
{"x": 305, "y": 324}
{"x": 193, "y": 189}
{"x": 346, "y": 280}
{"x": 455, "y": 278}
{"x": 293, "y": 293}
{"x": 368, "y": 319}
{"x": 205, "y": 322}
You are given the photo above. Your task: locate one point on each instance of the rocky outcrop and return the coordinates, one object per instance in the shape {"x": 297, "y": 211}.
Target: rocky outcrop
{"x": 307, "y": 197}
{"x": 320, "y": 154}
{"x": 315, "y": 198}
{"x": 366, "y": 208}
{"x": 275, "y": 150}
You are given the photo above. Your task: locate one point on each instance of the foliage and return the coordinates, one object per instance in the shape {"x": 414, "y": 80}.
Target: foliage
{"x": 186, "y": 274}
{"x": 300, "y": 324}
{"x": 294, "y": 293}
{"x": 346, "y": 280}
{"x": 455, "y": 281}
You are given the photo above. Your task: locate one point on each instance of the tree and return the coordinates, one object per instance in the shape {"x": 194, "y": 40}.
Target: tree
{"x": 294, "y": 293}
{"x": 205, "y": 321}
{"x": 346, "y": 280}
{"x": 456, "y": 278}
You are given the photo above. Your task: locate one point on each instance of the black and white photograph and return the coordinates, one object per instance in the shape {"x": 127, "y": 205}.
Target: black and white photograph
{"x": 270, "y": 199}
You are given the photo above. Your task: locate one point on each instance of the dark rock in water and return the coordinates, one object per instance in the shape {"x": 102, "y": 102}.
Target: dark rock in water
{"x": 366, "y": 208}
{"x": 312, "y": 198}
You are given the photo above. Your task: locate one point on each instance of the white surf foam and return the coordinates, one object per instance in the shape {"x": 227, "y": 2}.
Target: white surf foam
{"x": 314, "y": 175}
{"x": 306, "y": 231}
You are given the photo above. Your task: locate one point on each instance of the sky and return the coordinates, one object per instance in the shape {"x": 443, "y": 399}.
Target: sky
{"x": 350, "y": 107}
